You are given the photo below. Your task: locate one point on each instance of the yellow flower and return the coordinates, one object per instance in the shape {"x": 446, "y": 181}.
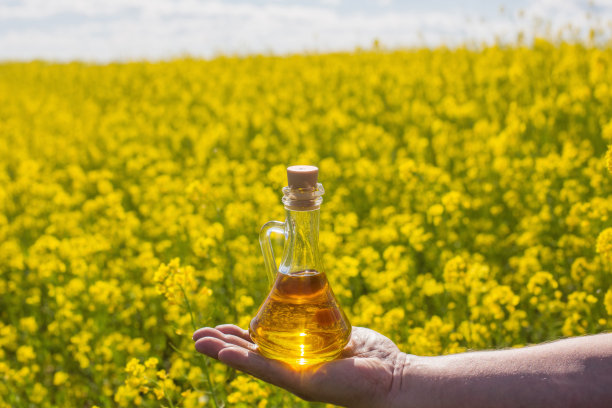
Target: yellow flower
{"x": 151, "y": 362}
{"x": 454, "y": 275}
{"x": 60, "y": 378}
{"x": 25, "y": 354}
{"x": 436, "y": 210}
{"x": 38, "y": 393}
{"x": 608, "y": 301}
{"x": 28, "y": 324}
{"x": 247, "y": 390}
{"x": 604, "y": 243}
{"x": 134, "y": 367}
{"x": 159, "y": 393}
{"x": 606, "y": 132}
{"x": 174, "y": 282}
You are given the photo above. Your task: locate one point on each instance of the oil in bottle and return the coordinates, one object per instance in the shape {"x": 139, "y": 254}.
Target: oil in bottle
{"x": 300, "y": 322}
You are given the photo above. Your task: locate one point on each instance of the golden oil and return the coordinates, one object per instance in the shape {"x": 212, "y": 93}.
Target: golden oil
{"x": 300, "y": 322}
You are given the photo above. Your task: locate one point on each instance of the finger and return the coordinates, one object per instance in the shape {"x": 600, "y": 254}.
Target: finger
{"x": 228, "y": 338}
{"x": 211, "y": 346}
{"x": 203, "y": 332}
{"x": 207, "y": 332}
{"x": 238, "y": 341}
{"x": 234, "y": 330}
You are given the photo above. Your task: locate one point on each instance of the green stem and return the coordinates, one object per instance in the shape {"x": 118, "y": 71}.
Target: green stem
{"x": 164, "y": 389}
{"x": 167, "y": 397}
{"x": 206, "y": 373}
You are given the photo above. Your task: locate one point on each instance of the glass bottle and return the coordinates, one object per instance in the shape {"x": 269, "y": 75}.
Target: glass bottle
{"x": 300, "y": 322}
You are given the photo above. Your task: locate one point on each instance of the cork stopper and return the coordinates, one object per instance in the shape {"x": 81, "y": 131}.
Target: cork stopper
{"x": 302, "y": 193}
{"x": 302, "y": 176}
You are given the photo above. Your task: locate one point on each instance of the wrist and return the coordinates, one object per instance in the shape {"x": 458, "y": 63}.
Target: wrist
{"x": 416, "y": 387}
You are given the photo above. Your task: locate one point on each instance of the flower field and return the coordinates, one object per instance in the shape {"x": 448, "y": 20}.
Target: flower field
{"x": 468, "y": 207}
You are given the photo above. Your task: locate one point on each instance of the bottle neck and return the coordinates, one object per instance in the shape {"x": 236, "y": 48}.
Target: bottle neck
{"x": 302, "y": 246}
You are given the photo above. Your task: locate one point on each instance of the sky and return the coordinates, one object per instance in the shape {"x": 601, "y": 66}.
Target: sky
{"x": 121, "y": 30}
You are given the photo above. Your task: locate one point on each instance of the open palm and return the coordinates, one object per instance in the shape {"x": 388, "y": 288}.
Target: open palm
{"x": 368, "y": 374}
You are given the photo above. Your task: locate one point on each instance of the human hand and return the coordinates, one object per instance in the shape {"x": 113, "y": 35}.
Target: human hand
{"x": 368, "y": 373}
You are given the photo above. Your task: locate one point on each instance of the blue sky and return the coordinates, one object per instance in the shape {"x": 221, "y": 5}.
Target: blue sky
{"x": 106, "y": 30}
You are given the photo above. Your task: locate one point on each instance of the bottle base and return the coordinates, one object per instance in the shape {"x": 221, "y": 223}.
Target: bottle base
{"x": 300, "y": 361}
{"x": 300, "y": 349}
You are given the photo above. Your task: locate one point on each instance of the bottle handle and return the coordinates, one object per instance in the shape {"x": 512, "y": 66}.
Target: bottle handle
{"x": 266, "y": 246}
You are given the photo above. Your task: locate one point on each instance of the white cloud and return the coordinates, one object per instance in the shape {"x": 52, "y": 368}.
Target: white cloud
{"x": 104, "y": 30}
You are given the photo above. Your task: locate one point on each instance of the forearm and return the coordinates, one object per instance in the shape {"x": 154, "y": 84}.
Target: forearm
{"x": 565, "y": 373}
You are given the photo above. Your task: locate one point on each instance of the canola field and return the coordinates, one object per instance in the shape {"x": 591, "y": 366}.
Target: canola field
{"x": 468, "y": 207}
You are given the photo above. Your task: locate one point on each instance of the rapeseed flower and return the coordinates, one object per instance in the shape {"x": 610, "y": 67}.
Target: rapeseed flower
{"x": 604, "y": 243}
{"x": 59, "y": 378}
{"x": 467, "y": 207}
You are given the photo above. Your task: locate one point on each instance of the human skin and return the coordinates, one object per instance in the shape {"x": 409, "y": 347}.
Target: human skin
{"x": 373, "y": 372}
